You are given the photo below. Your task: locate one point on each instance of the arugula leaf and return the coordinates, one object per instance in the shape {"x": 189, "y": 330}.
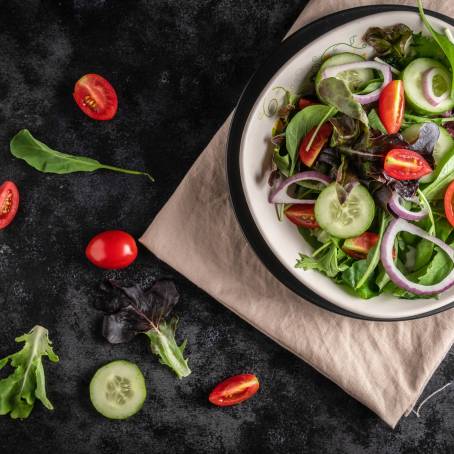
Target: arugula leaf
{"x": 329, "y": 259}
{"x": 335, "y": 92}
{"x": 375, "y": 122}
{"x": 27, "y": 383}
{"x": 39, "y": 156}
{"x": 132, "y": 311}
{"x": 442, "y": 40}
{"x": 301, "y": 124}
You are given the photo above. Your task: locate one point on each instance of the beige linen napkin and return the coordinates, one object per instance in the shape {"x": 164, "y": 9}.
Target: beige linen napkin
{"x": 383, "y": 365}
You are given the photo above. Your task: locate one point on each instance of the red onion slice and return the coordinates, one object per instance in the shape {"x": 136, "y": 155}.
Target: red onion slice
{"x": 386, "y": 253}
{"x": 427, "y": 87}
{"x": 279, "y": 193}
{"x": 395, "y": 206}
{"x": 333, "y": 71}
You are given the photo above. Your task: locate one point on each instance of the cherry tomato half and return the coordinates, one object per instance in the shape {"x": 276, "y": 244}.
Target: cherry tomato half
{"x": 449, "y": 203}
{"x": 359, "y": 246}
{"x": 112, "y": 250}
{"x": 308, "y": 157}
{"x": 96, "y": 97}
{"x": 391, "y": 106}
{"x": 302, "y": 215}
{"x": 403, "y": 164}
{"x": 303, "y": 102}
{"x": 9, "y": 203}
{"x": 234, "y": 390}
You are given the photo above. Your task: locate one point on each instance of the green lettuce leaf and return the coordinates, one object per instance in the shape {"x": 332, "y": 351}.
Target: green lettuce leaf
{"x": 335, "y": 92}
{"x": 329, "y": 259}
{"x": 27, "y": 383}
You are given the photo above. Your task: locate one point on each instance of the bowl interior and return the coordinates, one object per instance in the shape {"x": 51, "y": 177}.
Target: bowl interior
{"x": 255, "y": 158}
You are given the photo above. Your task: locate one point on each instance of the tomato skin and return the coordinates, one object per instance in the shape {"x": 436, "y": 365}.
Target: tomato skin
{"x": 9, "y": 203}
{"x": 449, "y": 203}
{"x": 403, "y": 164}
{"x": 234, "y": 390}
{"x": 302, "y": 215}
{"x": 391, "y": 106}
{"x": 308, "y": 157}
{"x": 96, "y": 97}
{"x": 112, "y": 250}
{"x": 303, "y": 102}
{"x": 359, "y": 246}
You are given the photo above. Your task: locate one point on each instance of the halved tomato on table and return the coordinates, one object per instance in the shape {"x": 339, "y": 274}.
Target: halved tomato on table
{"x": 309, "y": 156}
{"x": 9, "y": 203}
{"x": 391, "y": 106}
{"x": 302, "y": 215}
{"x": 96, "y": 97}
{"x": 234, "y": 390}
{"x": 403, "y": 164}
{"x": 449, "y": 203}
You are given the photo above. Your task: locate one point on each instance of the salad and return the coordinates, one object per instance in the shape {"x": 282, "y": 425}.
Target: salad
{"x": 363, "y": 164}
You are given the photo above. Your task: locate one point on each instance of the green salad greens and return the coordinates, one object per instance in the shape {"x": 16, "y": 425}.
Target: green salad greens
{"x": 364, "y": 164}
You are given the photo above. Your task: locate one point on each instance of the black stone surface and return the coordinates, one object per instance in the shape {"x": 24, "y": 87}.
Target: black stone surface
{"x": 178, "y": 67}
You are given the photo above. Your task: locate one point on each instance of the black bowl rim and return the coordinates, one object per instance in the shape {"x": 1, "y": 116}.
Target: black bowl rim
{"x": 286, "y": 50}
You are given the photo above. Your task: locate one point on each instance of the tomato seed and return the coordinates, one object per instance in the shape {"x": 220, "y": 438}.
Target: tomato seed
{"x": 7, "y": 203}
{"x": 90, "y": 102}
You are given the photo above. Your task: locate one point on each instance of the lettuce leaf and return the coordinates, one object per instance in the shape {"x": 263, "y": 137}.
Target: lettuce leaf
{"x": 130, "y": 311}
{"x": 27, "y": 383}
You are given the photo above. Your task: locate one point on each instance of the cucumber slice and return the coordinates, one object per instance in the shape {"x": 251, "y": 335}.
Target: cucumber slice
{"x": 351, "y": 218}
{"x": 355, "y": 79}
{"x": 117, "y": 390}
{"x": 444, "y": 145}
{"x": 412, "y": 78}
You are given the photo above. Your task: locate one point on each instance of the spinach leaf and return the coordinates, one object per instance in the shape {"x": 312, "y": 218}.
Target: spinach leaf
{"x": 131, "y": 311}
{"x": 444, "y": 177}
{"x": 39, "y": 156}
{"x": 375, "y": 122}
{"x": 301, "y": 124}
{"x": 382, "y": 277}
{"x": 19, "y": 391}
{"x": 329, "y": 259}
{"x": 282, "y": 161}
{"x": 424, "y": 46}
{"x": 355, "y": 274}
{"x": 442, "y": 40}
{"x": 335, "y": 92}
{"x": 440, "y": 266}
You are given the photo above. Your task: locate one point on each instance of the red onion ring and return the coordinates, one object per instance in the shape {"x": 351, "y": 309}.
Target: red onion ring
{"x": 279, "y": 193}
{"x": 386, "y": 254}
{"x": 427, "y": 87}
{"x": 395, "y": 206}
{"x": 333, "y": 71}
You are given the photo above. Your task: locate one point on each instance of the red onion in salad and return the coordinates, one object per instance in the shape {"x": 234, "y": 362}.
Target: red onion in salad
{"x": 395, "y": 205}
{"x": 386, "y": 252}
{"x": 279, "y": 192}
{"x": 333, "y": 71}
{"x": 427, "y": 87}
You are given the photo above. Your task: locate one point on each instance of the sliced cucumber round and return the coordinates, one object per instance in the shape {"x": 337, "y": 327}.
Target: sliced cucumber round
{"x": 351, "y": 218}
{"x": 412, "y": 78}
{"x": 444, "y": 145}
{"x": 117, "y": 390}
{"x": 355, "y": 79}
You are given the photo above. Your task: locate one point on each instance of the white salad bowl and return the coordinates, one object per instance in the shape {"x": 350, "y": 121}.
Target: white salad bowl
{"x": 278, "y": 244}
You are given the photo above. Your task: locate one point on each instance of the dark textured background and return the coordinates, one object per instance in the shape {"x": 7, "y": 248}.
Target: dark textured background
{"x": 178, "y": 67}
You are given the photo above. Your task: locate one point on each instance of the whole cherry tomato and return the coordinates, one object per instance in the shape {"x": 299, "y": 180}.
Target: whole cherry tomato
{"x": 112, "y": 250}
